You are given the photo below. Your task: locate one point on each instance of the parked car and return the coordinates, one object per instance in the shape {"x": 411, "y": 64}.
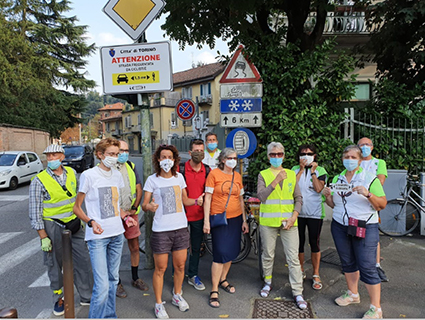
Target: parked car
{"x": 17, "y": 167}
{"x": 78, "y": 157}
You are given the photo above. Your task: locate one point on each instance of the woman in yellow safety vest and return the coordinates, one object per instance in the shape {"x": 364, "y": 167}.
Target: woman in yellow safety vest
{"x": 281, "y": 202}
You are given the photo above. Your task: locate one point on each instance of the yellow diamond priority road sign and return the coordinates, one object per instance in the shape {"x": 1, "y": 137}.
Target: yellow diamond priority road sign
{"x": 133, "y": 16}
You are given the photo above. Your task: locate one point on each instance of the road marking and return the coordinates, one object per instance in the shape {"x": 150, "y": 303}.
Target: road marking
{"x": 42, "y": 281}
{"x": 14, "y": 198}
{"x": 7, "y": 236}
{"x": 20, "y": 254}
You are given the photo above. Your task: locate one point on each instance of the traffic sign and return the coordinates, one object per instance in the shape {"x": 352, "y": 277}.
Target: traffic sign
{"x": 185, "y": 109}
{"x": 241, "y": 120}
{"x": 241, "y": 105}
{"x": 240, "y": 69}
{"x": 133, "y": 16}
{"x": 137, "y": 68}
{"x": 241, "y": 90}
{"x": 243, "y": 141}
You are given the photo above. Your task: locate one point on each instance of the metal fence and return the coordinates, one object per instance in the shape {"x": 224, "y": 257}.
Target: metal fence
{"x": 400, "y": 142}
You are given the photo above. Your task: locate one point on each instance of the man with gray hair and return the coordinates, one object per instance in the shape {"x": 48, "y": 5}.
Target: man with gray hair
{"x": 281, "y": 202}
{"x": 51, "y": 200}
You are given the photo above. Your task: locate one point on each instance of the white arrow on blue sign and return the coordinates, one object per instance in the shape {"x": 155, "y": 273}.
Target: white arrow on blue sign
{"x": 241, "y": 105}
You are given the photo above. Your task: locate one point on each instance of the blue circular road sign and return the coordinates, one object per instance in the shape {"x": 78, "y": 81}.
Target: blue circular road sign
{"x": 243, "y": 141}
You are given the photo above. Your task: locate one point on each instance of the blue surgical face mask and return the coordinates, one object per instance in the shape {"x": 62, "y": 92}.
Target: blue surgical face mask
{"x": 54, "y": 164}
{"x": 276, "y": 162}
{"x": 350, "y": 164}
{"x": 366, "y": 151}
{"x": 212, "y": 146}
{"x": 123, "y": 157}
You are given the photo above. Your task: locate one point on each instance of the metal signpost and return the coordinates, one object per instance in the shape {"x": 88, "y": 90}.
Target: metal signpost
{"x": 137, "y": 69}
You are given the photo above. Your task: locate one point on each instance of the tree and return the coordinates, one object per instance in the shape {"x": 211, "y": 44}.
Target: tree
{"x": 42, "y": 51}
{"x": 302, "y": 84}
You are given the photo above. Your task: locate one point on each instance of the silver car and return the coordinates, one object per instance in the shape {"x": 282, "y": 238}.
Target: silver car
{"x": 17, "y": 167}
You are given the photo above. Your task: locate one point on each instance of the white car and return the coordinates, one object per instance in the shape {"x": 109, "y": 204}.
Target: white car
{"x": 17, "y": 167}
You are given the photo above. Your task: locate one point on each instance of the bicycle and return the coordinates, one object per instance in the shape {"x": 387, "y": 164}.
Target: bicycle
{"x": 249, "y": 240}
{"x": 402, "y": 215}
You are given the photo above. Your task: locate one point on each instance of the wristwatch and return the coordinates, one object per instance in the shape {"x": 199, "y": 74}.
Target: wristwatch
{"x": 133, "y": 208}
{"x": 90, "y": 222}
{"x": 313, "y": 173}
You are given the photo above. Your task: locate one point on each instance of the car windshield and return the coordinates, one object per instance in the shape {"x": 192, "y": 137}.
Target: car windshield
{"x": 7, "y": 159}
{"x": 74, "y": 151}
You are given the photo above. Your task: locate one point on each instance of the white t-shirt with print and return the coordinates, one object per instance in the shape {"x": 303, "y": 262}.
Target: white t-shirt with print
{"x": 102, "y": 201}
{"x": 167, "y": 193}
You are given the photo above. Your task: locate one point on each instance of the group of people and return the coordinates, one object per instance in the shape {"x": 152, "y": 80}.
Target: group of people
{"x": 186, "y": 199}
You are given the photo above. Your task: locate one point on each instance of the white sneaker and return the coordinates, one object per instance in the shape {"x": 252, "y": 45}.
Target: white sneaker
{"x": 180, "y": 302}
{"x": 160, "y": 312}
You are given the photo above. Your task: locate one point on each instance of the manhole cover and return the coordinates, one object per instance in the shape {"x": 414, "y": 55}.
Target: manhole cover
{"x": 279, "y": 309}
{"x": 331, "y": 256}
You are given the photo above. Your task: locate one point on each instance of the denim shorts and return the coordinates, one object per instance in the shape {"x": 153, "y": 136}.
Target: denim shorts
{"x": 169, "y": 241}
{"x": 358, "y": 254}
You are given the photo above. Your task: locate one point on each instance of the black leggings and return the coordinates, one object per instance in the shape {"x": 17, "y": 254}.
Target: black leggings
{"x": 314, "y": 227}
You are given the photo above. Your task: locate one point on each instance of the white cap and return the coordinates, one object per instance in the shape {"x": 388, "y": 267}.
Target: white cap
{"x": 54, "y": 148}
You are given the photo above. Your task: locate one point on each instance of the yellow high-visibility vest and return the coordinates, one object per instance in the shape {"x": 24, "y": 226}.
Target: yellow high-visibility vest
{"x": 280, "y": 203}
{"x": 132, "y": 178}
{"x": 60, "y": 204}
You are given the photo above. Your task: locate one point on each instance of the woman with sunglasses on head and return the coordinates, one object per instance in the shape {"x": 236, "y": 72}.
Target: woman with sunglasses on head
{"x": 356, "y": 197}
{"x": 165, "y": 194}
{"x": 224, "y": 188}
{"x": 281, "y": 202}
{"x": 311, "y": 178}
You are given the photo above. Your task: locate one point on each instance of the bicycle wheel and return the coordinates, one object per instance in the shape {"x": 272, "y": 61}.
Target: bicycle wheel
{"x": 399, "y": 218}
{"x": 259, "y": 252}
{"x": 142, "y": 240}
{"x": 245, "y": 247}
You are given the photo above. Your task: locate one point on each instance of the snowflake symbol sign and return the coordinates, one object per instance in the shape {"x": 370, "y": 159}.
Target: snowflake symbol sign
{"x": 247, "y": 105}
{"x": 234, "y": 105}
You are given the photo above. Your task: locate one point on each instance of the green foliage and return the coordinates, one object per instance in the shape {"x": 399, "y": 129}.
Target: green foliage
{"x": 300, "y": 102}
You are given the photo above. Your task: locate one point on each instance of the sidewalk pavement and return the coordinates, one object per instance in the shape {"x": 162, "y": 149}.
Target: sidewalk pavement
{"x": 403, "y": 262}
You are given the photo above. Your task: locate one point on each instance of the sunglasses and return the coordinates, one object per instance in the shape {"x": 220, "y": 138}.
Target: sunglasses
{"x": 277, "y": 154}
{"x": 307, "y": 154}
{"x": 68, "y": 193}
{"x": 232, "y": 158}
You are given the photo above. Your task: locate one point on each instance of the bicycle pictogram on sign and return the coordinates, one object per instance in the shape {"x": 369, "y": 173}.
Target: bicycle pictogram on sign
{"x": 185, "y": 109}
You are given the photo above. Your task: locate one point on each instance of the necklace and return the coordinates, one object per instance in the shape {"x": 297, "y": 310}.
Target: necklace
{"x": 103, "y": 173}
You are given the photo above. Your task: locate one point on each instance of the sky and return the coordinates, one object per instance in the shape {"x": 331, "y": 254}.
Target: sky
{"x": 104, "y": 32}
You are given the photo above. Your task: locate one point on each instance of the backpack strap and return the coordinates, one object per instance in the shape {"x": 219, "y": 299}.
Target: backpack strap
{"x": 130, "y": 164}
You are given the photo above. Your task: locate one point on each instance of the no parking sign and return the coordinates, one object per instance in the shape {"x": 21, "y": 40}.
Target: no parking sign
{"x": 185, "y": 109}
{"x": 243, "y": 141}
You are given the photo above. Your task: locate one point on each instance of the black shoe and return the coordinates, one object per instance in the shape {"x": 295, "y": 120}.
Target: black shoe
{"x": 382, "y": 275}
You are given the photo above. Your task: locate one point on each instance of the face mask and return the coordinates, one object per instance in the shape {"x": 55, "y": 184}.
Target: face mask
{"x": 231, "y": 163}
{"x": 212, "y": 146}
{"x": 276, "y": 162}
{"x": 309, "y": 159}
{"x": 350, "y": 164}
{"x": 366, "y": 151}
{"x": 197, "y": 156}
{"x": 54, "y": 164}
{"x": 123, "y": 157}
{"x": 166, "y": 164}
{"x": 109, "y": 162}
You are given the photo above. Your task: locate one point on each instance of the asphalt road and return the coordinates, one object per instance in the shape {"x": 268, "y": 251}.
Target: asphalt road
{"x": 24, "y": 282}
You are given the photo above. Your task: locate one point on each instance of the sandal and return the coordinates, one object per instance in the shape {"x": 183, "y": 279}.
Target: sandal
{"x": 212, "y": 300}
{"x": 317, "y": 284}
{"x": 266, "y": 290}
{"x": 227, "y": 288}
{"x": 301, "y": 303}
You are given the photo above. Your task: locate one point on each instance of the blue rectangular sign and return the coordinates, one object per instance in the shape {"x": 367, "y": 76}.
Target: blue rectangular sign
{"x": 241, "y": 105}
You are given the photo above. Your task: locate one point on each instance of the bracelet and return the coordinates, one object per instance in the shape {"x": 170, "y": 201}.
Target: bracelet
{"x": 196, "y": 202}
{"x": 313, "y": 173}
{"x": 369, "y": 195}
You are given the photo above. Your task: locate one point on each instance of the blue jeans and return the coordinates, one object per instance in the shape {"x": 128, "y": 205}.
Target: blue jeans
{"x": 105, "y": 256}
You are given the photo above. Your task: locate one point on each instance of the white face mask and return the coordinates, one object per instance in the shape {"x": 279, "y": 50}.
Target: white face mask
{"x": 309, "y": 159}
{"x": 109, "y": 162}
{"x": 166, "y": 164}
{"x": 231, "y": 163}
